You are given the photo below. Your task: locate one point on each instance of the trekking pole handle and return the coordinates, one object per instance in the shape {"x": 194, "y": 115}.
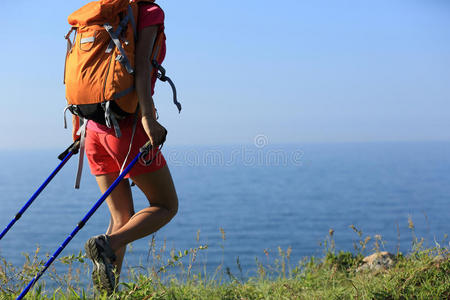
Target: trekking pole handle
{"x": 72, "y": 148}
{"x": 146, "y": 150}
{"x": 75, "y": 146}
{"x": 147, "y": 147}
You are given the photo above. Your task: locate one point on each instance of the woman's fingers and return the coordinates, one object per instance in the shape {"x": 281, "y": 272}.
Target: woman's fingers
{"x": 155, "y": 131}
{"x": 162, "y": 136}
{"x": 158, "y": 137}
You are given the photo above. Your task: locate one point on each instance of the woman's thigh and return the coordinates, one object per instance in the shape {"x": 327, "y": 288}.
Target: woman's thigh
{"x": 159, "y": 188}
{"x": 120, "y": 201}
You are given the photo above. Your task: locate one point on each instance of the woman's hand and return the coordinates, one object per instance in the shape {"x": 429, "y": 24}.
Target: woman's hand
{"x": 155, "y": 131}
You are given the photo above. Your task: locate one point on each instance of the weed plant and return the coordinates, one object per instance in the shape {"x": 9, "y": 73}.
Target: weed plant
{"x": 423, "y": 273}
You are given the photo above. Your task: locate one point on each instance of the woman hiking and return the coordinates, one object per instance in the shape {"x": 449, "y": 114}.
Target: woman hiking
{"x": 106, "y": 154}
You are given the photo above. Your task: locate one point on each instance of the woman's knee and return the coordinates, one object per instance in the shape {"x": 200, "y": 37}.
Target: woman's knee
{"x": 172, "y": 209}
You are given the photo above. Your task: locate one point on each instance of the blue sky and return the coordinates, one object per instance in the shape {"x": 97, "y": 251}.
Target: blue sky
{"x": 295, "y": 71}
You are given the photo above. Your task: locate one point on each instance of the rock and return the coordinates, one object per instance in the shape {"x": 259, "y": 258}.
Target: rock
{"x": 439, "y": 258}
{"x": 377, "y": 261}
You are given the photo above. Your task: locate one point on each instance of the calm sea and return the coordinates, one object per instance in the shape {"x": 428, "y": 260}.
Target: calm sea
{"x": 262, "y": 196}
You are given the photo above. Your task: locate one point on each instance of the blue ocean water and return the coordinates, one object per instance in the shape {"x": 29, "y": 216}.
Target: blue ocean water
{"x": 262, "y": 196}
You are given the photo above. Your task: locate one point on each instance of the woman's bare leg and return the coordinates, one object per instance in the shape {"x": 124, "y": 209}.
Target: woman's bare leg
{"x": 120, "y": 204}
{"x": 159, "y": 189}
{"x": 125, "y": 226}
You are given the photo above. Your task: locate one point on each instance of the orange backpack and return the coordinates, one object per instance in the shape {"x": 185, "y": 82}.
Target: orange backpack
{"x": 99, "y": 68}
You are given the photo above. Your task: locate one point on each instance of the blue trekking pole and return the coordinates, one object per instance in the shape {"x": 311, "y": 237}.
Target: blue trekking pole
{"x": 144, "y": 151}
{"x": 64, "y": 157}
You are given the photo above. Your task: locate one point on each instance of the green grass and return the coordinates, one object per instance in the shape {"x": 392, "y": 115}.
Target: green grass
{"x": 420, "y": 274}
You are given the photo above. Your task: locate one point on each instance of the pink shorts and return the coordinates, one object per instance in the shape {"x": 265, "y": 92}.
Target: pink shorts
{"x": 106, "y": 153}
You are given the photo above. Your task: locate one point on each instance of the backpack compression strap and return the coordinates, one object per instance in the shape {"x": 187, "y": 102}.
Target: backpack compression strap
{"x": 111, "y": 120}
{"x": 122, "y": 58}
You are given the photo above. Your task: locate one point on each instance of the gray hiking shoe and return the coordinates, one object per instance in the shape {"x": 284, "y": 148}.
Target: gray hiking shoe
{"x": 102, "y": 256}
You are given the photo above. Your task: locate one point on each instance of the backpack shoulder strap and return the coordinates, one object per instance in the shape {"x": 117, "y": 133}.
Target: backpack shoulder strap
{"x": 133, "y": 15}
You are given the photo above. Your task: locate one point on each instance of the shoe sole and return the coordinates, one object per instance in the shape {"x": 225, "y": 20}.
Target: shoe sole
{"x": 100, "y": 277}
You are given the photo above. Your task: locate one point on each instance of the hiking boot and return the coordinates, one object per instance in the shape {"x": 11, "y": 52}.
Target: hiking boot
{"x": 102, "y": 256}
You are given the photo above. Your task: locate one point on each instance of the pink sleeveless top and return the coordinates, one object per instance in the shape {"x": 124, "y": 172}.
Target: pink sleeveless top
{"x": 149, "y": 15}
